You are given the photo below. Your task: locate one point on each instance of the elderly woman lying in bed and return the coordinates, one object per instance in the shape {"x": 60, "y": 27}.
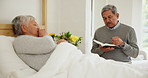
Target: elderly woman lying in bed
{"x": 32, "y": 44}
{"x": 40, "y": 52}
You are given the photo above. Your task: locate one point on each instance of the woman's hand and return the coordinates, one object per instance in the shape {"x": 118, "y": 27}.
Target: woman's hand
{"x": 42, "y": 32}
{"x": 61, "y": 40}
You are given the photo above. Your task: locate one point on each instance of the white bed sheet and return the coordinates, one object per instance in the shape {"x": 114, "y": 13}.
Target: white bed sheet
{"x": 66, "y": 62}
{"x": 11, "y": 66}
{"x": 141, "y": 63}
{"x": 69, "y": 62}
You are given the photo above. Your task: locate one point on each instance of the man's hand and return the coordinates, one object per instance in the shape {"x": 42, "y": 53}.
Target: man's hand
{"x": 42, "y": 32}
{"x": 106, "y": 49}
{"x": 61, "y": 40}
{"x": 117, "y": 41}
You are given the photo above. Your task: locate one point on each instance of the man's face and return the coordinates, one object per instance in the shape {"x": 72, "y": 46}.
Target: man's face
{"x": 31, "y": 29}
{"x": 109, "y": 18}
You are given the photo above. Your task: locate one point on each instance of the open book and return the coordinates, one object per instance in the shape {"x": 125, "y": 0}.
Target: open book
{"x": 104, "y": 44}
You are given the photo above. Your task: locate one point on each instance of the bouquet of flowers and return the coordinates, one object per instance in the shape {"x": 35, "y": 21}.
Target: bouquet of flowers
{"x": 73, "y": 39}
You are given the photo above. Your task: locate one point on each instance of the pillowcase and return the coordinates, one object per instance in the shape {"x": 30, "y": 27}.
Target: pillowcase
{"x": 10, "y": 63}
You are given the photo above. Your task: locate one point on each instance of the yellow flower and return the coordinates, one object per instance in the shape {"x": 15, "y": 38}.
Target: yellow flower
{"x": 52, "y": 34}
{"x": 74, "y": 38}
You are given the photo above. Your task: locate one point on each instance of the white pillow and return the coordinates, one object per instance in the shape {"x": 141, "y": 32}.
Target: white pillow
{"x": 10, "y": 63}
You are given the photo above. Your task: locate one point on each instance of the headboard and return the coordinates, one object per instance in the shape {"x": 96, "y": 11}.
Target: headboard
{"x": 6, "y": 29}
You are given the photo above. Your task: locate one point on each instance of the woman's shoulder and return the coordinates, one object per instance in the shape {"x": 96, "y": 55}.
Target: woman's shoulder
{"x": 25, "y": 36}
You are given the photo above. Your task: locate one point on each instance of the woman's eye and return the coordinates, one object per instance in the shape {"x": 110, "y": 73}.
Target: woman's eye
{"x": 35, "y": 24}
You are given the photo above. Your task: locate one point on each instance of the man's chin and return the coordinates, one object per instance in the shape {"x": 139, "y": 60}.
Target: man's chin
{"x": 110, "y": 26}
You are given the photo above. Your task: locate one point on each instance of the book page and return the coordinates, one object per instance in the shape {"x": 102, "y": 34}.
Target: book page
{"x": 103, "y": 44}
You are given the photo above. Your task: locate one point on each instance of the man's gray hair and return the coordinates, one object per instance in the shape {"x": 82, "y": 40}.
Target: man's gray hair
{"x": 109, "y": 7}
{"x": 18, "y": 21}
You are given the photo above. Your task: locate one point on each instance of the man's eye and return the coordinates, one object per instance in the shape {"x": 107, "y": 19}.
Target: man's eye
{"x": 110, "y": 17}
{"x": 104, "y": 18}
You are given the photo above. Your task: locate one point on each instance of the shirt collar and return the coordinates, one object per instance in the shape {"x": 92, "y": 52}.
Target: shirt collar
{"x": 114, "y": 26}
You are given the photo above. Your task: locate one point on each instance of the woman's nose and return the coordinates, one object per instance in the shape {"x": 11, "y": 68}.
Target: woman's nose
{"x": 37, "y": 27}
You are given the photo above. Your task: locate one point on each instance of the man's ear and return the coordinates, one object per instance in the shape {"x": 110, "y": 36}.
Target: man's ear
{"x": 117, "y": 15}
{"x": 24, "y": 28}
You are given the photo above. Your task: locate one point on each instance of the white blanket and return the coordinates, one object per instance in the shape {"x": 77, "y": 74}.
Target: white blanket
{"x": 69, "y": 62}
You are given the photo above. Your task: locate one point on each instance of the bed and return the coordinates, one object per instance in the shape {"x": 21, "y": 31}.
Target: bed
{"x": 67, "y": 61}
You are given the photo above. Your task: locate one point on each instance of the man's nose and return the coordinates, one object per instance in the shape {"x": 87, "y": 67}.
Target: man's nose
{"x": 107, "y": 19}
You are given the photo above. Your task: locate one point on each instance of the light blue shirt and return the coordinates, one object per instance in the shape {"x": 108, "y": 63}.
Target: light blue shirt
{"x": 114, "y": 26}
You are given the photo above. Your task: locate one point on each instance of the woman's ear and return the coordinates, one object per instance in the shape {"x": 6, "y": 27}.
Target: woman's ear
{"x": 24, "y": 28}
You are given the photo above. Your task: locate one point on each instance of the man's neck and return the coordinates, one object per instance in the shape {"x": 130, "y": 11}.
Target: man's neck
{"x": 116, "y": 26}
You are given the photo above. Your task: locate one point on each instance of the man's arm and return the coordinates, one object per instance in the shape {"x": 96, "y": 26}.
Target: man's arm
{"x": 95, "y": 47}
{"x": 131, "y": 48}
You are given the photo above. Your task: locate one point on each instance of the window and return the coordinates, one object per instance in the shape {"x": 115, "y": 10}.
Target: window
{"x": 145, "y": 24}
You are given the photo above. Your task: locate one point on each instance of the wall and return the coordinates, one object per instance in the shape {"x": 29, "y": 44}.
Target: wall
{"x": 67, "y": 15}
{"x": 137, "y": 20}
{"x": 53, "y": 15}
{"x": 97, "y": 18}
{"x": 11, "y": 8}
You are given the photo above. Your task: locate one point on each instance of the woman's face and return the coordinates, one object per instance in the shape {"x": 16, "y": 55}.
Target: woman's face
{"x": 31, "y": 29}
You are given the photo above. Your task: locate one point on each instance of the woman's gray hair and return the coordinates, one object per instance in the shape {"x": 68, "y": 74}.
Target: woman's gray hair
{"x": 109, "y": 7}
{"x": 18, "y": 21}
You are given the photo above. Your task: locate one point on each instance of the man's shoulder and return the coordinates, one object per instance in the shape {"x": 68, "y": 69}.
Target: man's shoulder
{"x": 126, "y": 27}
{"x": 101, "y": 28}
